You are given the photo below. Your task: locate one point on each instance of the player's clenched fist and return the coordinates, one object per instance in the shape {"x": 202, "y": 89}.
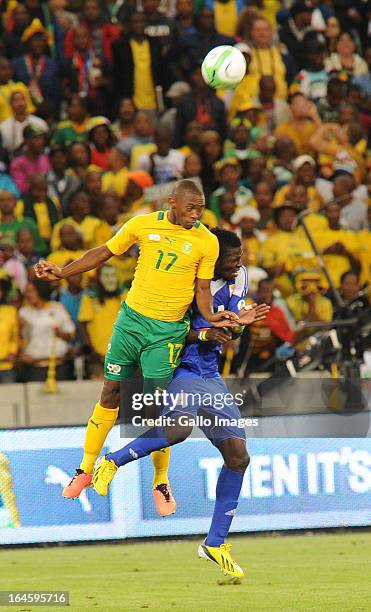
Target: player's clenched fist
{"x": 47, "y": 270}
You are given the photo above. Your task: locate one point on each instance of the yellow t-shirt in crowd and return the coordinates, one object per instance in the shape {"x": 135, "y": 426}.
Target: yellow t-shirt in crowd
{"x": 42, "y": 216}
{"x": 268, "y": 62}
{"x": 251, "y": 251}
{"x": 209, "y": 218}
{"x": 144, "y": 91}
{"x": 141, "y": 149}
{"x": 337, "y": 264}
{"x": 5, "y": 93}
{"x": 116, "y": 181}
{"x": 226, "y": 17}
{"x": 364, "y": 242}
{"x": 61, "y": 256}
{"x": 87, "y": 229}
{"x": 314, "y": 199}
{"x": 9, "y": 335}
{"x": 292, "y": 249}
{"x": 171, "y": 258}
{"x": 100, "y": 318}
{"x": 300, "y": 137}
{"x": 299, "y": 307}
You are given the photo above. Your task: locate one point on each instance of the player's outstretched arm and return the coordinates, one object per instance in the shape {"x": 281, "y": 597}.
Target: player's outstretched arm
{"x": 90, "y": 260}
{"x": 204, "y": 301}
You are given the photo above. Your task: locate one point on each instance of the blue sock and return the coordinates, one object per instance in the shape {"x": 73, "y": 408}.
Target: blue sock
{"x": 227, "y": 493}
{"x": 144, "y": 445}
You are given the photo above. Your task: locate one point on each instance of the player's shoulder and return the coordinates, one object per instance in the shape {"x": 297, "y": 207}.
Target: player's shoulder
{"x": 204, "y": 231}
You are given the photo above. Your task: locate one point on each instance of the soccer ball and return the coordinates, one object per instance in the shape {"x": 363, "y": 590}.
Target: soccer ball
{"x": 224, "y": 67}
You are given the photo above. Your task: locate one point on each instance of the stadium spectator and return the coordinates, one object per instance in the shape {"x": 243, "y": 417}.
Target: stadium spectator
{"x": 138, "y": 67}
{"x": 338, "y": 246}
{"x": 228, "y": 172}
{"x": 101, "y": 141}
{"x": 124, "y": 125}
{"x": 12, "y": 37}
{"x": 9, "y": 335}
{"x": 34, "y": 159}
{"x": 353, "y": 212}
{"x": 70, "y": 245}
{"x": 312, "y": 80}
{"x": 61, "y": 182}
{"x": 7, "y": 87}
{"x": 246, "y": 219}
{"x": 46, "y": 330}
{"x": 37, "y": 205}
{"x": 80, "y": 218}
{"x": 201, "y": 104}
{"x": 102, "y": 34}
{"x": 345, "y": 58}
{"x": 86, "y": 73}
{"x": 12, "y": 222}
{"x": 11, "y": 129}
{"x": 79, "y": 158}
{"x": 293, "y": 33}
{"x": 40, "y": 10}
{"x": 10, "y": 264}
{"x": 266, "y": 57}
{"x": 35, "y": 68}
{"x": 158, "y": 25}
{"x": 116, "y": 178}
{"x": 26, "y": 248}
{"x": 276, "y": 111}
{"x": 302, "y": 124}
{"x": 165, "y": 164}
{"x": 307, "y": 304}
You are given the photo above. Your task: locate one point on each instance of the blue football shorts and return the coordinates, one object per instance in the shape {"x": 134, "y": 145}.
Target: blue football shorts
{"x": 210, "y": 400}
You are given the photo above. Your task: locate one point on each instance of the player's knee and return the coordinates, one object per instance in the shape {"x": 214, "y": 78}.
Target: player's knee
{"x": 238, "y": 461}
{"x": 110, "y": 396}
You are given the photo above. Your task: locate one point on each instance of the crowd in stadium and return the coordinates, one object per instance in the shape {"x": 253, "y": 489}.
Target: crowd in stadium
{"x": 103, "y": 107}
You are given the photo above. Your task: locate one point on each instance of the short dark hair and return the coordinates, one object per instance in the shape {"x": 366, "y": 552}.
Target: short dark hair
{"x": 227, "y": 239}
{"x": 184, "y": 186}
{"x": 42, "y": 287}
{"x": 348, "y": 273}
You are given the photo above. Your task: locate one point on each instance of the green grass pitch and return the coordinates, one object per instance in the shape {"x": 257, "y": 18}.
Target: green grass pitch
{"x": 321, "y": 573}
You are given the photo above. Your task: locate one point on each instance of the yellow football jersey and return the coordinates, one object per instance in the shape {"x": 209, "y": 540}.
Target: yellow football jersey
{"x": 171, "y": 258}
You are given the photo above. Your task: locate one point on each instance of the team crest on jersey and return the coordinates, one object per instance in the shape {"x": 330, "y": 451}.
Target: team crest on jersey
{"x": 155, "y": 237}
{"x": 187, "y": 248}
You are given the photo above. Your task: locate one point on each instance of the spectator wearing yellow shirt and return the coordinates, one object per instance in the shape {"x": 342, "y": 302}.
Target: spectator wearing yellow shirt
{"x": 246, "y": 219}
{"x": 137, "y": 65}
{"x": 286, "y": 251}
{"x": 116, "y": 179}
{"x": 93, "y": 186}
{"x": 226, "y": 14}
{"x": 302, "y": 125}
{"x": 8, "y": 87}
{"x": 343, "y": 144}
{"x": 307, "y": 304}
{"x": 304, "y": 167}
{"x": 70, "y": 246}
{"x": 8, "y": 333}
{"x": 98, "y": 312}
{"x": 339, "y": 246}
{"x": 80, "y": 218}
{"x": 364, "y": 243}
{"x": 37, "y": 205}
{"x": 266, "y": 58}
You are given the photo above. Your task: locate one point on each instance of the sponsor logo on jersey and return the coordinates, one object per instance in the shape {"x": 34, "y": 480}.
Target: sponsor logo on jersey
{"x": 155, "y": 237}
{"x": 187, "y": 248}
{"x": 113, "y": 368}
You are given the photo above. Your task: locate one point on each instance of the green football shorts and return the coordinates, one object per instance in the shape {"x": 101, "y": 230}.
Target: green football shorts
{"x": 137, "y": 340}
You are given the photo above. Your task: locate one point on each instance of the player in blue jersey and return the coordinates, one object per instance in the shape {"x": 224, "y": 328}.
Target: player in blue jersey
{"x": 200, "y": 391}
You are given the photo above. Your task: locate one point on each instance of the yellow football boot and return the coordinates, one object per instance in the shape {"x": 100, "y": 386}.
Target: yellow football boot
{"x": 221, "y": 555}
{"x": 104, "y": 471}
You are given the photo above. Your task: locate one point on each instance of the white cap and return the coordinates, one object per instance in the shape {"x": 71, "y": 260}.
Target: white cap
{"x": 301, "y": 160}
{"x": 245, "y": 212}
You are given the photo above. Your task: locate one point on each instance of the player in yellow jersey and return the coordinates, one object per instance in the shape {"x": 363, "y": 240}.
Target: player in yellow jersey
{"x": 176, "y": 264}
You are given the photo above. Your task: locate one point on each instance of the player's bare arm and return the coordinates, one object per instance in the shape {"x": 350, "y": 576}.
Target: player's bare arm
{"x": 204, "y": 301}
{"x": 90, "y": 260}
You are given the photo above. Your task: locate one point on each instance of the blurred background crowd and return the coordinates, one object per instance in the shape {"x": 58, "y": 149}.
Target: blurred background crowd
{"x": 103, "y": 106}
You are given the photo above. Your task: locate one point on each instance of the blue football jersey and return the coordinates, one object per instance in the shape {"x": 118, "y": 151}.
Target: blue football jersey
{"x": 202, "y": 358}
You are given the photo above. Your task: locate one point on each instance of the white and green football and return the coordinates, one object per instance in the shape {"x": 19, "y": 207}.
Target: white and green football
{"x": 224, "y": 67}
